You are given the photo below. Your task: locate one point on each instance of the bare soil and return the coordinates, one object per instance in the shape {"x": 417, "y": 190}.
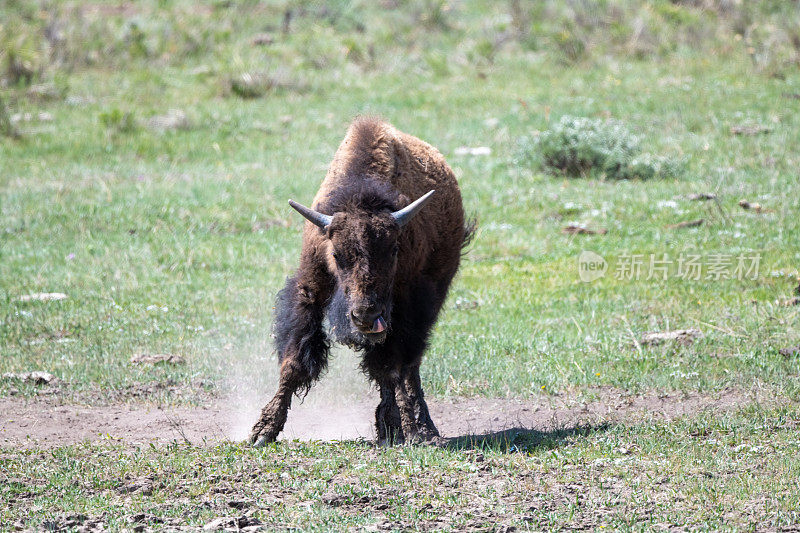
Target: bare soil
{"x": 46, "y": 421}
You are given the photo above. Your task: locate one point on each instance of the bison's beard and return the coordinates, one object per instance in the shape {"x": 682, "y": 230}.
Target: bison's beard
{"x": 342, "y": 328}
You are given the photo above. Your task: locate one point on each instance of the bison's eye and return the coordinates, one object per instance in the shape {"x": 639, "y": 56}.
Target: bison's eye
{"x": 337, "y": 257}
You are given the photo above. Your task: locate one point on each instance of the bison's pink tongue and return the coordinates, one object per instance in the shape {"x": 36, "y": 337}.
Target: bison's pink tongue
{"x": 379, "y": 325}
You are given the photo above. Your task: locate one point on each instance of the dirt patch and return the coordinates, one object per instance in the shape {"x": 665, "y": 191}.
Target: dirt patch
{"x": 47, "y": 422}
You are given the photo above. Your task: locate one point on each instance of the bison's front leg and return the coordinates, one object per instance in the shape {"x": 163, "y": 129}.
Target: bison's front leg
{"x": 274, "y": 414}
{"x": 405, "y": 405}
{"x": 303, "y": 350}
{"x": 402, "y": 415}
{"x": 387, "y": 418}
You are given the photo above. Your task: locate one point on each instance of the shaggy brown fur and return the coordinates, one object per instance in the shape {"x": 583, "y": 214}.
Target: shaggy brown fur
{"x": 364, "y": 265}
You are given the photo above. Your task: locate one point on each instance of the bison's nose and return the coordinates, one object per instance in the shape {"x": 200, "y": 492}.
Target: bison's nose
{"x": 364, "y": 317}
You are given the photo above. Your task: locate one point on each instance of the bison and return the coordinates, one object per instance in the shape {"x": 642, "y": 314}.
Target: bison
{"x": 376, "y": 264}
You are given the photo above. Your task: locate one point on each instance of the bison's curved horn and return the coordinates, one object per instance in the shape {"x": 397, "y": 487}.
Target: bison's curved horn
{"x": 405, "y": 215}
{"x": 315, "y": 217}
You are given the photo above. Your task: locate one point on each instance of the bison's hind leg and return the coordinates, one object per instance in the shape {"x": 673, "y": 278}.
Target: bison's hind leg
{"x": 413, "y": 385}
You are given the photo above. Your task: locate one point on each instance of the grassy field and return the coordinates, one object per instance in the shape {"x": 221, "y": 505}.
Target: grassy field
{"x": 706, "y": 473}
{"x": 172, "y": 235}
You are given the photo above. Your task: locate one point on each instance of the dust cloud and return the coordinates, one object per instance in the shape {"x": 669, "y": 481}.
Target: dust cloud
{"x": 339, "y": 406}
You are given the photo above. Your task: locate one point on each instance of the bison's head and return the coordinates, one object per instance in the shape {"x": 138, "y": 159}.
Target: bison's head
{"x": 363, "y": 246}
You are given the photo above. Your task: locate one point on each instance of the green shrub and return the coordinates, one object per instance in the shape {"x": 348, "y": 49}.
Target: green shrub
{"x": 22, "y": 56}
{"x": 579, "y": 145}
{"x": 646, "y": 166}
{"x": 118, "y": 121}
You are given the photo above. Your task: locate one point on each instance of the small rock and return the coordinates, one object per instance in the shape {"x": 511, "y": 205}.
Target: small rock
{"x": 701, "y": 196}
{"x": 36, "y": 377}
{"x": 152, "y": 359}
{"x": 175, "y": 119}
{"x": 681, "y": 336}
{"x": 754, "y": 129}
{"x": 262, "y": 39}
{"x": 464, "y": 303}
{"x": 29, "y": 117}
{"x": 45, "y": 91}
{"x": 687, "y": 224}
{"x": 201, "y": 70}
{"x": 78, "y": 100}
{"x": 257, "y": 84}
{"x": 473, "y": 150}
{"x": 792, "y": 351}
{"x": 755, "y": 206}
{"x": 582, "y": 230}
{"x": 42, "y": 297}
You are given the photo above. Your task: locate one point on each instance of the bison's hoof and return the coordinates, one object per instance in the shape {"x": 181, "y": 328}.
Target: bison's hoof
{"x": 260, "y": 438}
{"x": 261, "y": 441}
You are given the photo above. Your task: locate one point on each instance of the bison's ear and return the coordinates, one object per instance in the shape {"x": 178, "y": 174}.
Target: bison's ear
{"x": 405, "y": 215}
{"x": 336, "y": 224}
{"x": 318, "y": 219}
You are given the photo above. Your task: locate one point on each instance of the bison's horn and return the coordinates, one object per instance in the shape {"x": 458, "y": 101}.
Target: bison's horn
{"x": 405, "y": 215}
{"x": 315, "y": 217}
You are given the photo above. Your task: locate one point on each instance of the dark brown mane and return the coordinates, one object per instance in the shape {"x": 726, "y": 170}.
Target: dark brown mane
{"x": 362, "y": 193}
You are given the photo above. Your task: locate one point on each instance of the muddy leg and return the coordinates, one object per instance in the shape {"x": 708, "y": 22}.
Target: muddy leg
{"x": 300, "y": 341}
{"x": 387, "y": 418}
{"x": 273, "y": 415}
{"x": 413, "y": 385}
{"x": 406, "y": 407}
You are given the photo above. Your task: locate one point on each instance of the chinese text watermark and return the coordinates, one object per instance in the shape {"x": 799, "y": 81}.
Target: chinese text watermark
{"x": 664, "y": 266}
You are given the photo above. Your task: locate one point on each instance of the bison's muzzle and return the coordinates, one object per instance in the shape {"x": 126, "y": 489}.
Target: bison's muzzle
{"x": 369, "y": 320}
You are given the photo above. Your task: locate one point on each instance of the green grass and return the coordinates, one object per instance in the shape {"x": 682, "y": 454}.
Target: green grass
{"x": 710, "y": 473}
{"x": 177, "y": 241}
{"x": 167, "y": 221}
